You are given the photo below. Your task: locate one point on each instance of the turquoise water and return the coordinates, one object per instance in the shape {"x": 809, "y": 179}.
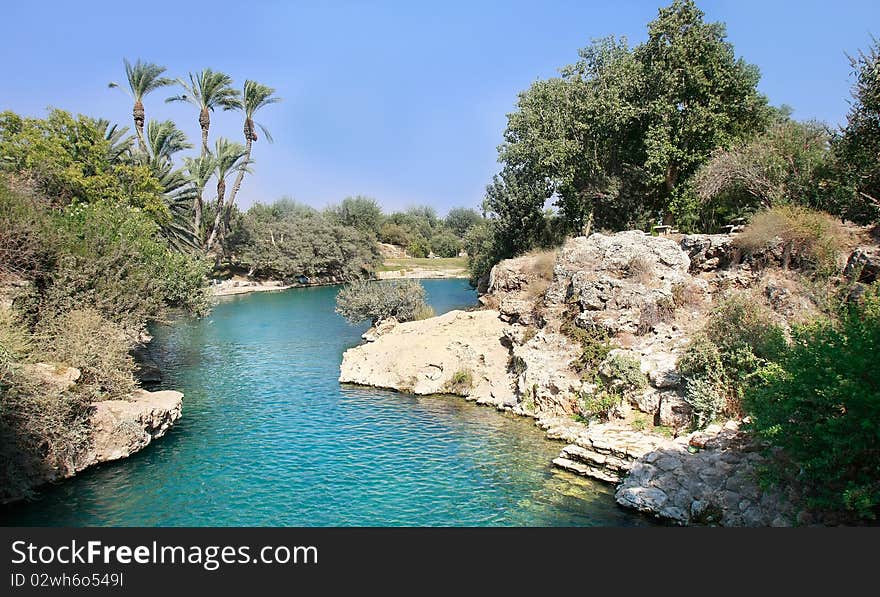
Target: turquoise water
{"x": 268, "y": 437}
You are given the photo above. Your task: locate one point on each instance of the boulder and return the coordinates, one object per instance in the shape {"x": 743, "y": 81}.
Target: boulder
{"x": 863, "y": 265}
{"x": 708, "y": 252}
{"x": 422, "y": 357}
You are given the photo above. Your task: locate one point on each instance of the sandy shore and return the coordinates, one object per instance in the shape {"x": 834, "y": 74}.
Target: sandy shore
{"x": 423, "y": 273}
{"x": 231, "y": 287}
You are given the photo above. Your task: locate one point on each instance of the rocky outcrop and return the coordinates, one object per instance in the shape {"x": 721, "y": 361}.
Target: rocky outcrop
{"x": 619, "y": 281}
{"x": 122, "y": 427}
{"x": 117, "y": 428}
{"x": 708, "y": 252}
{"x": 425, "y": 357}
{"x": 711, "y": 479}
{"x": 525, "y": 353}
{"x": 863, "y": 265}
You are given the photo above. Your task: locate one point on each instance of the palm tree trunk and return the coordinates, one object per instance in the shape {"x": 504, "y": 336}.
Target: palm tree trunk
{"x": 197, "y": 215}
{"x": 205, "y": 123}
{"x": 218, "y": 217}
{"x": 139, "y": 116}
{"x": 238, "y": 179}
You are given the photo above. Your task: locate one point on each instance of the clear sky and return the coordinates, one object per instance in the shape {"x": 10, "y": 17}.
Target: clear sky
{"x": 402, "y": 101}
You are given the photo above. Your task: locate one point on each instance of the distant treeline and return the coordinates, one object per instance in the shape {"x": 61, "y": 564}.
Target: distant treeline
{"x": 287, "y": 239}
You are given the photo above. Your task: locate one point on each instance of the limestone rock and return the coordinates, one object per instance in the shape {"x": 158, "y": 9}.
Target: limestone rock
{"x": 422, "y": 357}
{"x": 708, "y": 252}
{"x": 122, "y": 427}
{"x": 863, "y": 265}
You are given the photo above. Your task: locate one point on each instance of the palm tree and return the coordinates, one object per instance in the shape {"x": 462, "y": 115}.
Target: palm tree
{"x": 229, "y": 157}
{"x": 164, "y": 140}
{"x": 115, "y": 135}
{"x": 143, "y": 77}
{"x": 199, "y": 170}
{"x": 207, "y": 90}
{"x": 255, "y": 96}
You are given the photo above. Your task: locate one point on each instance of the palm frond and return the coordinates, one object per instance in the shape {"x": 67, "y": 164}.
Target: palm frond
{"x": 165, "y": 139}
{"x": 120, "y": 144}
{"x": 144, "y": 77}
{"x": 230, "y": 157}
{"x": 208, "y": 89}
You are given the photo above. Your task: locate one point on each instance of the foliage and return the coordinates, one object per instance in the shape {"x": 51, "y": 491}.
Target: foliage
{"x": 618, "y": 136}
{"x": 595, "y": 345}
{"x": 625, "y": 373}
{"x": 856, "y": 151}
{"x": 599, "y": 404}
{"x": 445, "y": 244}
{"x": 362, "y": 213}
{"x": 375, "y": 301}
{"x": 779, "y": 167}
{"x": 394, "y": 234}
{"x": 461, "y": 382}
{"x": 68, "y": 161}
{"x": 820, "y": 402}
{"x": 99, "y": 348}
{"x": 809, "y": 238}
{"x": 740, "y": 338}
{"x": 287, "y": 240}
{"x": 461, "y": 219}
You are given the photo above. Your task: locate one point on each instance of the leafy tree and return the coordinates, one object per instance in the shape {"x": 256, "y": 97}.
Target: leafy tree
{"x": 781, "y": 166}
{"x": 394, "y": 234}
{"x": 445, "y": 244}
{"x": 358, "y": 212}
{"x": 142, "y": 78}
{"x": 207, "y": 90}
{"x": 857, "y": 149}
{"x": 460, "y": 219}
{"x": 616, "y": 139}
{"x": 67, "y": 158}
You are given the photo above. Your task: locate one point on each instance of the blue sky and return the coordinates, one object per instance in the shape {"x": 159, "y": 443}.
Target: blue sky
{"x": 402, "y": 101}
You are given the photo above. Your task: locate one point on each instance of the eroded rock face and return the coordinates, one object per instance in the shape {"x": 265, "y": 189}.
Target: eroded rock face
{"x": 718, "y": 484}
{"x": 544, "y": 381}
{"x": 423, "y": 356}
{"x": 709, "y": 252}
{"x": 863, "y": 265}
{"x": 618, "y": 280}
{"x": 122, "y": 427}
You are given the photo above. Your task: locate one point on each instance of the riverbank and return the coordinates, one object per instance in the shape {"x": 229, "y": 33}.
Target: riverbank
{"x": 425, "y": 268}
{"x": 651, "y": 296}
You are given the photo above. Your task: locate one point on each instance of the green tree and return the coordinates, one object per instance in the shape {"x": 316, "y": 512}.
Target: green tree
{"x": 142, "y": 78}
{"x": 460, "y": 219}
{"x": 359, "y": 212}
{"x": 229, "y": 158}
{"x": 857, "y": 149}
{"x": 254, "y": 97}
{"x": 207, "y": 90}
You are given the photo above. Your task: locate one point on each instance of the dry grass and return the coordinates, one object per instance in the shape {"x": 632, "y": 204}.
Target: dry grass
{"x": 809, "y": 238}
{"x": 640, "y": 269}
{"x": 540, "y": 272}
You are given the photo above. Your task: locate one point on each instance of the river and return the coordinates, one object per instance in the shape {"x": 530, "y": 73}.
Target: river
{"x": 268, "y": 437}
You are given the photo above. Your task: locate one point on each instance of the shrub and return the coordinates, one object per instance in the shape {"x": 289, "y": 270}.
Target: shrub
{"x": 99, "y": 348}
{"x": 705, "y": 398}
{"x": 652, "y": 313}
{"x": 600, "y": 404}
{"x": 594, "y": 342}
{"x": 445, "y": 244}
{"x": 809, "y": 238}
{"x": 375, "y": 301}
{"x": 742, "y": 322}
{"x": 461, "y": 382}
{"x": 640, "y": 269}
{"x": 625, "y": 372}
{"x": 821, "y": 404}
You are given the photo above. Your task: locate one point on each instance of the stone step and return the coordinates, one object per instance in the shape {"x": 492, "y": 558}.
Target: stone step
{"x": 585, "y": 470}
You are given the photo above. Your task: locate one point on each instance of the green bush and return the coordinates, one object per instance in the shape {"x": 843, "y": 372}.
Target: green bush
{"x": 625, "y": 373}
{"x": 374, "y": 301}
{"x": 461, "y": 382}
{"x": 595, "y": 345}
{"x": 821, "y": 403}
{"x": 599, "y": 404}
{"x": 739, "y": 339}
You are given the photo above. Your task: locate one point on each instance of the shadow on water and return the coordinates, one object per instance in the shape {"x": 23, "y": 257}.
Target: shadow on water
{"x": 269, "y": 437}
